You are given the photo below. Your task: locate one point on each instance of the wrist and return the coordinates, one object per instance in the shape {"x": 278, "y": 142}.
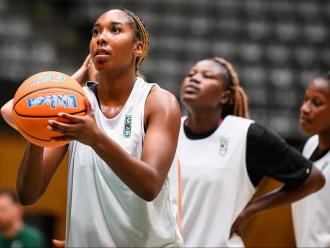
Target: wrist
{"x": 251, "y": 209}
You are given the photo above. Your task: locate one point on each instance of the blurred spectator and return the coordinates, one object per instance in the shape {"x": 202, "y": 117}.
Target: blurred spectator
{"x": 14, "y": 233}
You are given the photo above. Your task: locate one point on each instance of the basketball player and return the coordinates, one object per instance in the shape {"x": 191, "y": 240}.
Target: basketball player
{"x": 311, "y": 214}
{"x": 224, "y": 156}
{"x": 122, "y": 188}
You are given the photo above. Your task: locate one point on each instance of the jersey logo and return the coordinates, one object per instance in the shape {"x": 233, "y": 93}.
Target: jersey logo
{"x": 325, "y": 165}
{"x": 128, "y": 125}
{"x": 223, "y": 146}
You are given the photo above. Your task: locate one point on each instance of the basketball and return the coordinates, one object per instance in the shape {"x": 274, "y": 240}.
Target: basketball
{"x": 39, "y": 99}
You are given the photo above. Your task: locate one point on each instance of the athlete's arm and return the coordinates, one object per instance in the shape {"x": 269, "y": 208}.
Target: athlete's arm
{"x": 314, "y": 182}
{"x": 268, "y": 154}
{"x": 144, "y": 176}
{"x": 36, "y": 170}
{"x": 86, "y": 72}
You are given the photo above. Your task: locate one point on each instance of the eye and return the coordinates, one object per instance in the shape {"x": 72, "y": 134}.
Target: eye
{"x": 95, "y": 31}
{"x": 208, "y": 75}
{"x": 316, "y": 102}
{"x": 116, "y": 29}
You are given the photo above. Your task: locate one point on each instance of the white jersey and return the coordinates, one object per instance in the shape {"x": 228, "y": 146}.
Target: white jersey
{"x": 311, "y": 214}
{"x": 102, "y": 211}
{"x": 215, "y": 183}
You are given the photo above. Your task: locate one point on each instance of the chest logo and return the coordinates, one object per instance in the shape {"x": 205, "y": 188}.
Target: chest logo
{"x": 128, "y": 125}
{"x": 324, "y": 166}
{"x": 223, "y": 146}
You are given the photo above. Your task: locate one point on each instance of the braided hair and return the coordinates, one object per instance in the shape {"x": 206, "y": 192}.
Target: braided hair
{"x": 141, "y": 34}
{"x": 237, "y": 104}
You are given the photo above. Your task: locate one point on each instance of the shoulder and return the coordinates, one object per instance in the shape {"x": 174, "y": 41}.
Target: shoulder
{"x": 237, "y": 120}
{"x": 259, "y": 134}
{"x": 311, "y": 143}
{"x": 162, "y": 108}
{"x": 161, "y": 100}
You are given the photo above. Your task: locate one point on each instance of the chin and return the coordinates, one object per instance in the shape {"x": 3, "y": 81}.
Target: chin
{"x": 308, "y": 130}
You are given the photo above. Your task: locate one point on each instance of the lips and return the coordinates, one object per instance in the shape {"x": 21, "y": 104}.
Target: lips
{"x": 305, "y": 120}
{"x": 101, "y": 54}
{"x": 190, "y": 88}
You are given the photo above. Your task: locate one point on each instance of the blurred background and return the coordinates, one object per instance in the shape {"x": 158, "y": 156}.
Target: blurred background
{"x": 277, "y": 47}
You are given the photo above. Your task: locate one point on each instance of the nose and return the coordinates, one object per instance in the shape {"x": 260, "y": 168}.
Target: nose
{"x": 197, "y": 77}
{"x": 305, "y": 108}
{"x": 101, "y": 40}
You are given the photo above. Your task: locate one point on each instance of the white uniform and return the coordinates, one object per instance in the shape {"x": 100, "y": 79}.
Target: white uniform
{"x": 311, "y": 215}
{"x": 102, "y": 211}
{"x": 215, "y": 183}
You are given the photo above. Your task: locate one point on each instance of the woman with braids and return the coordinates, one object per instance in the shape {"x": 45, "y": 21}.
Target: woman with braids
{"x": 311, "y": 215}
{"x": 223, "y": 157}
{"x": 123, "y": 176}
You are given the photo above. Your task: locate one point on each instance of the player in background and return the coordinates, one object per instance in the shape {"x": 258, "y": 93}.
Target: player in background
{"x": 311, "y": 215}
{"x": 224, "y": 156}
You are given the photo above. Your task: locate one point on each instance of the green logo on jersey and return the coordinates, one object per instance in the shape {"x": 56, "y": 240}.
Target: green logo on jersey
{"x": 128, "y": 125}
{"x": 325, "y": 165}
{"x": 223, "y": 146}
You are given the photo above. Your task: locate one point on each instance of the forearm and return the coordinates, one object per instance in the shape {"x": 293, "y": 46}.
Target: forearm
{"x": 30, "y": 175}
{"x": 313, "y": 183}
{"x": 81, "y": 75}
{"x": 136, "y": 174}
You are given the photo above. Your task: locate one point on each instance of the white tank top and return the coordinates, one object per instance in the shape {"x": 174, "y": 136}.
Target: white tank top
{"x": 102, "y": 211}
{"x": 215, "y": 183}
{"x": 311, "y": 214}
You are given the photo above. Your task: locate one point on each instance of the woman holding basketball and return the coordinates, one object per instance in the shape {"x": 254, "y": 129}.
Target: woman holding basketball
{"x": 310, "y": 215}
{"x": 224, "y": 156}
{"x": 122, "y": 188}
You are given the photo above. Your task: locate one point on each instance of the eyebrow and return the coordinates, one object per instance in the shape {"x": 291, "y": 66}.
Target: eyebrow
{"x": 112, "y": 23}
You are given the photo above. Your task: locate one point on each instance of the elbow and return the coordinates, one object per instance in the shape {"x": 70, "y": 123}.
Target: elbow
{"x": 26, "y": 201}
{"x": 317, "y": 179}
{"x": 26, "y": 198}
{"x": 150, "y": 194}
{"x": 3, "y": 112}
{"x": 149, "y": 197}
{"x": 151, "y": 190}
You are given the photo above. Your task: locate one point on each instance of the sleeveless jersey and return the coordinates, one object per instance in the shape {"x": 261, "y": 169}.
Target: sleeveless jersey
{"x": 311, "y": 214}
{"x": 215, "y": 183}
{"x": 102, "y": 211}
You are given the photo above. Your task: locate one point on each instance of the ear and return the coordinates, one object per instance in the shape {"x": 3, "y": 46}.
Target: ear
{"x": 225, "y": 96}
{"x": 138, "y": 49}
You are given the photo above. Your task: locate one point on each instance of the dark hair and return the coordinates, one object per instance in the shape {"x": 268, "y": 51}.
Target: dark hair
{"x": 10, "y": 193}
{"x": 141, "y": 34}
{"x": 237, "y": 104}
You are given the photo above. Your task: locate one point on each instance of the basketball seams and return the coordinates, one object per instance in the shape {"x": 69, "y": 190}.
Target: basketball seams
{"x": 22, "y": 131}
{"x": 46, "y": 116}
{"x": 36, "y": 103}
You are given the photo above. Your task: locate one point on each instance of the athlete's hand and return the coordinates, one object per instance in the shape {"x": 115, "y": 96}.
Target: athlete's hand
{"x": 83, "y": 73}
{"x": 242, "y": 219}
{"x": 81, "y": 128}
{"x": 59, "y": 243}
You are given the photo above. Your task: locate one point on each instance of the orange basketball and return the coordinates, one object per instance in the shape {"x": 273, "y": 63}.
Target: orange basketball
{"x": 39, "y": 98}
